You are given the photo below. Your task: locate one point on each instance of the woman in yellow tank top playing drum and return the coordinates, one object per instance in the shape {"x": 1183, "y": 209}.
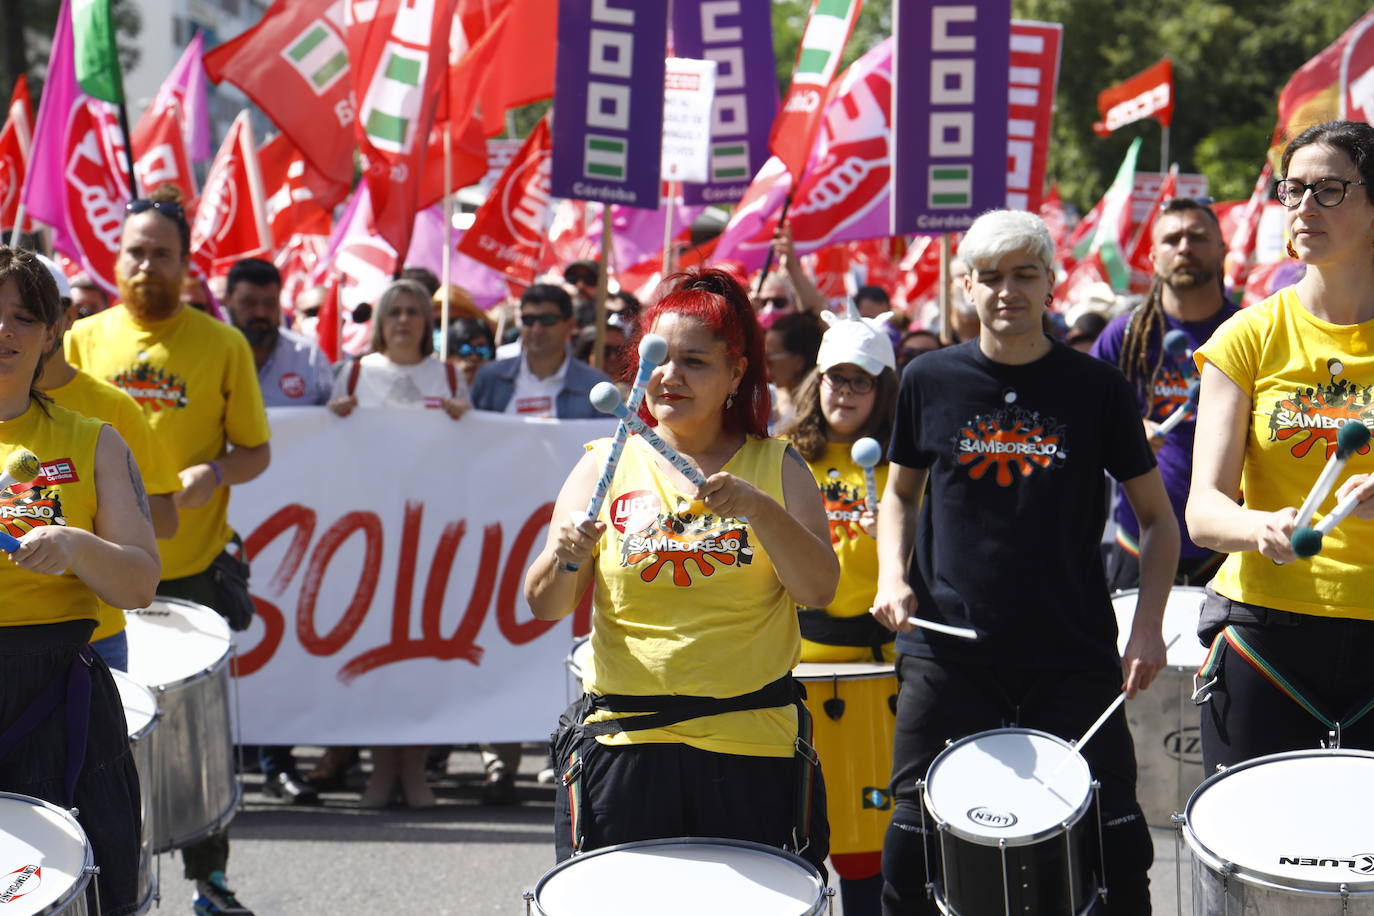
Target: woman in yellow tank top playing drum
{"x": 696, "y": 588}
{"x": 844, "y": 419}
{"x": 84, "y": 533}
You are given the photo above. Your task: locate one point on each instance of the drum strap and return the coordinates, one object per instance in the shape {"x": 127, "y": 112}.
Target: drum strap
{"x": 73, "y": 686}
{"x": 860, "y": 630}
{"x": 662, "y": 710}
{"x": 1284, "y": 682}
{"x": 808, "y": 761}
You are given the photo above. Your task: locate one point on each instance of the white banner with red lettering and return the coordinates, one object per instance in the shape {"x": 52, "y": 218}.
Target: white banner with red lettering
{"x": 389, "y": 552}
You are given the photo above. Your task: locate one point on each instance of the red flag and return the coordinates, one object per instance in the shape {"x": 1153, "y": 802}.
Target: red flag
{"x": 1334, "y": 84}
{"x": 1138, "y": 252}
{"x": 231, "y": 221}
{"x": 469, "y": 151}
{"x": 327, "y": 328}
{"x": 818, "y": 60}
{"x": 292, "y": 205}
{"x": 1242, "y": 248}
{"x": 523, "y": 70}
{"x": 16, "y": 139}
{"x": 1148, "y": 94}
{"x": 398, "y": 53}
{"x": 1052, "y": 212}
{"x": 186, "y": 86}
{"x": 509, "y": 229}
{"x": 294, "y": 65}
{"x": 161, "y": 156}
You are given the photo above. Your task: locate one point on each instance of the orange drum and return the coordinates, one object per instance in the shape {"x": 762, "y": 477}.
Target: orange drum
{"x": 853, "y": 712}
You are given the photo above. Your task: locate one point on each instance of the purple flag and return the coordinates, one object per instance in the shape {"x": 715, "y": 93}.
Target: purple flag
{"x": 949, "y": 105}
{"x": 738, "y": 36}
{"x": 486, "y": 286}
{"x": 608, "y": 117}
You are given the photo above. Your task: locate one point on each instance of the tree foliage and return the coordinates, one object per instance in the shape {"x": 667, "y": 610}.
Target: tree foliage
{"x": 28, "y": 25}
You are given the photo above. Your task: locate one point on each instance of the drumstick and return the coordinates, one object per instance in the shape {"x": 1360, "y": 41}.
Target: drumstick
{"x": 1307, "y": 542}
{"x": 1352, "y": 437}
{"x": 1183, "y": 412}
{"x": 866, "y": 453}
{"x": 652, "y": 351}
{"x": 961, "y": 632}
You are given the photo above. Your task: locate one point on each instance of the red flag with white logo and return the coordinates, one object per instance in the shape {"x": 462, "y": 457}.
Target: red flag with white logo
{"x": 161, "y": 156}
{"x": 398, "y": 53}
{"x": 231, "y": 221}
{"x": 818, "y": 60}
{"x": 1241, "y": 251}
{"x": 1148, "y": 94}
{"x": 294, "y": 66}
{"x": 15, "y": 141}
{"x": 300, "y": 223}
{"x": 1138, "y": 252}
{"x": 509, "y": 229}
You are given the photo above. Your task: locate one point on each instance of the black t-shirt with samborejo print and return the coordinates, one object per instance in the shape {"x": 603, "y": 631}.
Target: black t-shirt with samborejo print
{"x": 1011, "y": 521}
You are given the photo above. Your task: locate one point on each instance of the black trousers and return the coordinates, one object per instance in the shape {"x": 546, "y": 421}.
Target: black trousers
{"x": 1326, "y": 658}
{"x": 657, "y": 791}
{"x": 107, "y": 789}
{"x": 939, "y": 701}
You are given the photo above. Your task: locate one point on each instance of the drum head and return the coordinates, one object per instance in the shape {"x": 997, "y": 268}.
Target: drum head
{"x": 1180, "y": 620}
{"x": 171, "y": 641}
{"x": 1300, "y": 819}
{"x": 43, "y": 855}
{"x": 824, "y": 671}
{"x": 681, "y": 878}
{"x": 140, "y": 706}
{"x": 1008, "y": 784}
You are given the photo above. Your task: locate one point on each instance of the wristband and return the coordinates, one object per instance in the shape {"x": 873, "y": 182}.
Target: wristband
{"x": 219, "y": 475}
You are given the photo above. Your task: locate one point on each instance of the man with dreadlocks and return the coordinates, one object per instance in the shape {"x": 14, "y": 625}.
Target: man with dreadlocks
{"x": 1186, "y": 296}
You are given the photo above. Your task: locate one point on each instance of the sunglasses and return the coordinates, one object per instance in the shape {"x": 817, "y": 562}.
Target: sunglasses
{"x": 581, "y": 278}
{"x": 546, "y": 320}
{"x": 775, "y": 302}
{"x": 481, "y": 351}
{"x": 167, "y": 208}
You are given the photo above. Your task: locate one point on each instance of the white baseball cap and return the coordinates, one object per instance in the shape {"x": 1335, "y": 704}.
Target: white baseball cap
{"x": 858, "y": 340}
{"x": 64, "y": 287}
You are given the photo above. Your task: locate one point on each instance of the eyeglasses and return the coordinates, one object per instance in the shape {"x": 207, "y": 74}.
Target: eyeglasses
{"x": 547, "y": 320}
{"x": 1328, "y": 192}
{"x": 859, "y": 384}
{"x": 581, "y": 278}
{"x": 168, "y": 208}
{"x": 481, "y": 352}
{"x": 774, "y": 302}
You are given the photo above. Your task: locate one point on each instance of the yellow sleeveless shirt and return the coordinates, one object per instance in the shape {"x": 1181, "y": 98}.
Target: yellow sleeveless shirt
{"x": 64, "y": 494}
{"x": 688, "y": 603}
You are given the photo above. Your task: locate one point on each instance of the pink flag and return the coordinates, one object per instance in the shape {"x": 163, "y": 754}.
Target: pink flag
{"x": 231, "y": 221}
{"x": 186, "y": 86}
{"x": 77, "y": 182}
{"x": 486, "y": 286}
{"x": 637, "y": 234}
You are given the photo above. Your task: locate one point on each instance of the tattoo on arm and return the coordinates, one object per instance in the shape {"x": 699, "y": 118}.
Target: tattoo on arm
{"x": 796, "y": 456}
{"x": 136, "y": 480}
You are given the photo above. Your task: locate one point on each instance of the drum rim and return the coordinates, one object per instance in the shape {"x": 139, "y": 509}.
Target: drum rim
{"x": 816, "y": 907}
{"x": 891, "y": 672}
{"x": 151, "y": 727}
{"x": 211, "y": 669}
{"x": 222, "y": 820}
{"x": 1034, "y": 839}
{"x": 1253, "y": 876}
{"x": 83, "y": 879}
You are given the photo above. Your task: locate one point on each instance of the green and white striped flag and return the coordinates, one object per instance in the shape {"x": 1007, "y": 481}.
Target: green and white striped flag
{"x": 97, "y": 58}
{"x": 1112, "y": 235}
{"x": 818, "y": 59}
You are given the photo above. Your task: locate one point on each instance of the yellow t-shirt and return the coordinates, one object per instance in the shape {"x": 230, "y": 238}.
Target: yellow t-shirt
{"x": 195, "y": 380}
{"x": 688, "y": 603}
{"x": 89, "y": 396}
{"x": 1305, "y": 377}
{"x": 64, "y": 494}
{"x": 842, "y": 486}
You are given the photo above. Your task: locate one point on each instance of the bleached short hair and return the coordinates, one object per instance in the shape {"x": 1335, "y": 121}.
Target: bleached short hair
{"x": 998, "y": 233}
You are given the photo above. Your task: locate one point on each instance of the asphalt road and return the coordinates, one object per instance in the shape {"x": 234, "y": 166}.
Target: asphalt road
{"x": 457, "y": 858}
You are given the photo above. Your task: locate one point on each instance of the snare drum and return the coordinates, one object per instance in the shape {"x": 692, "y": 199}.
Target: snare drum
{"x": 1017, "y": 824}
{"x": 140, "y": 712}
{"x": 181, "y": 650}
{"x": 1163, "y": 719}
{"x": 1285, "y": 835}
{"x": 45, "y": 859}
{"x": 678, "y": 877}
{"x": 853, "y": 715}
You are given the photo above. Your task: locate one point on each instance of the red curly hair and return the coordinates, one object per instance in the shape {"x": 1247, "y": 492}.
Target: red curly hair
{"x": 716, "y": 299}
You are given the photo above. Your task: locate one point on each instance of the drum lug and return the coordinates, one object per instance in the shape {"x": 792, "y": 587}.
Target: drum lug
{"x": 92, "y": 869}
{"x": 1345, "y": 898}
{"x": 529, "y": 902}
{"x": 74, "y": 812}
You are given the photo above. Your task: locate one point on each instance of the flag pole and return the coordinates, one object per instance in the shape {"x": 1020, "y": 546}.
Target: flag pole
{"x": 768, "y": 258}
{"x": 603, "y": 278}
{"x": 669, "y": 251}
{"x": 448, "y": 241}
{"x": 946, "y": 323}
{"x": 18, "y": 224}
{"x": 1163, "y": 148}
{"x": 128, "y": 149}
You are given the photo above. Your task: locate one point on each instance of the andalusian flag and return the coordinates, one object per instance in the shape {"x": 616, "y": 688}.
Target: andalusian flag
{"x": 97, "y": 58}
{"x": 1113, "y": 233}
{"x": 818, "y": 60}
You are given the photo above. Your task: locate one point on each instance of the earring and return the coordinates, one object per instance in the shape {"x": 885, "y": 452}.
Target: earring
{"x": 730, "y": 401}
{"x": 1292, "y": 252}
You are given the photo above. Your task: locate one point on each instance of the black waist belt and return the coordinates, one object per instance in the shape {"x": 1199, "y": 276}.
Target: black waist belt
{"x": 860, "y": 630}
{"x": 662, "y": 710}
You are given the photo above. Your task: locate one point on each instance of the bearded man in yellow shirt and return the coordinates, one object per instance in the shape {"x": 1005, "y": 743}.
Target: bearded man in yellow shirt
{"x": 195, "y": 379}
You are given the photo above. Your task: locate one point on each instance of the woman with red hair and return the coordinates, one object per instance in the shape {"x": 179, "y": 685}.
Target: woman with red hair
{"x": 696, "y": 595}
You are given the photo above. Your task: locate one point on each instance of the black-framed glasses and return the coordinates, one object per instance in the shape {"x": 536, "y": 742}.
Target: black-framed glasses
{"x": 1327, "y": 192}
{"x": 859, "y": 384}
{"x": 168, "y": 208}
{"x": 774, "y": 302}
{"x": 481, "y": 351}
{"x": 547, "y": 320}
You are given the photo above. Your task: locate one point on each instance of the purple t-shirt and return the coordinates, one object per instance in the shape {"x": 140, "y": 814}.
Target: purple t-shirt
{"x": 1170, "y": 393}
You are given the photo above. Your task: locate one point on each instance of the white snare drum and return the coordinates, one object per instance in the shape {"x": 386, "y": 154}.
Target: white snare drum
{"x": 681, "y": 877}
{"x": 1018, "y": 827}
{"x": 181, "y": 650}
{"x": 579, "y": 663}
{"x": 141, "y": 714}
{"x": 1163, "y": 719}
{"x": 45, "y": 859}
{"x": 1285, "y": 834}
